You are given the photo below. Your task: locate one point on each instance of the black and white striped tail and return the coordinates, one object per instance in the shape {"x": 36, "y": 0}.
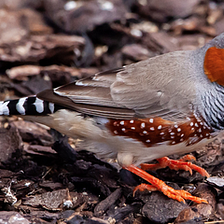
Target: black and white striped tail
{"x": 27, "y": 106}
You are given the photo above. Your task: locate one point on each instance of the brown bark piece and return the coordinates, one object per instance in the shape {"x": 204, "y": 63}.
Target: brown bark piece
{"x": 10, "y": 141}
{"x": 84, "y": 17}
{"x": 106, "y": 203}
{"x": 50, "y": 200}
{"x": 38, "y": 47}
{"x": 30, "y": 131}
{"x": 161, "y": 209}
{"x": 165, "y": 9}
{"x": 12, "y": 218}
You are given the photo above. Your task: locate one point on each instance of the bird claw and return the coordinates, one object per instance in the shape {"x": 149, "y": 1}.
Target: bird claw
{"x": 179, "y": 195}
{"x": 156, "y": 184}
{"x": 180, "y": 164}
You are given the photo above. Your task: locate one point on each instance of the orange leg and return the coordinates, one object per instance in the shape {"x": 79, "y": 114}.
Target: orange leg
{"x": 180, "y": 164}
{"x": 179, "y": 195}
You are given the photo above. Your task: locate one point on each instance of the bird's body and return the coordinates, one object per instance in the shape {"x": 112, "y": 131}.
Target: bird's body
{"x": 168, "y": 104}
{"x": 97, "y": 135}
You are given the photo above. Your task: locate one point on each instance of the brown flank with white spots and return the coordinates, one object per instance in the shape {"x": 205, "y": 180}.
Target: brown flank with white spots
{"x": 156, "y": 130}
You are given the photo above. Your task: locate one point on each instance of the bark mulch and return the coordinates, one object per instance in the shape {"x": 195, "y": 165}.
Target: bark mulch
{"x": 45, "y": 44}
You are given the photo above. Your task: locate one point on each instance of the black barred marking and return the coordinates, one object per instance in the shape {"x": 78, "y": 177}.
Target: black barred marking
{"x": 28, "y": 106}
{"x": 12, "y": 107}
{"x": 31, "y": 108}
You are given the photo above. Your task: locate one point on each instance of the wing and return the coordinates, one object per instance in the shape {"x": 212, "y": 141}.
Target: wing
{"x": 89, "y": 96}
{"x": 160, "y": 86}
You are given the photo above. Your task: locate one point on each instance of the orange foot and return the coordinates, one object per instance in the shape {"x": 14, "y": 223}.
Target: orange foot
{"x": 180, "y": 164}
{"x": 179, "y": 195}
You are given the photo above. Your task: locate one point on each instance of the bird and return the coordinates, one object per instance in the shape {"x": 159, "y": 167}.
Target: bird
{"x": 168, "y": 104}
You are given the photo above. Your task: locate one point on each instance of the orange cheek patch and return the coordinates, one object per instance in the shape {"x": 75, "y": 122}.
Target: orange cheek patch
{"x": 214, "y": 65}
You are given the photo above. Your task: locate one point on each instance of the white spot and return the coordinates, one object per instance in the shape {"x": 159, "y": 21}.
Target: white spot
{"x": 131, "y": 121}
{"x": 70, "y": 5}
{"x": 142, "y": 125}
{"x": 173, "y": 142}
{"x": 107, "y": 6}
{"x": 151, "y": 120}
{"x": 145, "y": 132}
{"x": 67, "y": 204}
{"x": 19, "y": 106}
{"x": 4, "y": 110}
{"x": 172, "y": 137}
{"x": 123, "y": 129}
{"x": 195, "y": 135}
{"x": 152, "y": 128}
{"x": 115, "y": 132}
{"x": 136, "y": 32}
{"x": 182, "y": 135}
{"x": 133, "y": 128}
{"x": 201, "y": 135}
{"x": 176, "y": 126}
{"x": 161, "y": 133}
{"x": 172, "y": 133}
{"x": 27, "y": 184}
{"x": 121, "y": 122}
{"x": 169, "y": 130}
{"x": 181, "y": 139}
{"x": 192, "y": 129}
{"x": 196, "y": 124}
{"x": 148, "y": 141}
{"x": 78, "y": 53}
{"x": 39, "y": 104}
{"x": 201, "y": 123}
{"x": 199, "y": 130}
{"x": 159, "y": 127}
{"x": 179, "y": 129}
{"x": 51, "y": 107}
{"x": 207, "y": 134}
{"x": 192, "y": 124}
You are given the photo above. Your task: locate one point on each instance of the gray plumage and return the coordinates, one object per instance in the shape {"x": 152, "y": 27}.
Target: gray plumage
{"x": 172, "y": 86}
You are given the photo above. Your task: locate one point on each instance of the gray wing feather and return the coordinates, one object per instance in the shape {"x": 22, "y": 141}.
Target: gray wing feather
{"x": 151, "y": 89}
{"x": 143, "y": 89}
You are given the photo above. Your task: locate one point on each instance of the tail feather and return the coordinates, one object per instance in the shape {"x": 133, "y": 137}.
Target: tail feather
{"x": 27, "y": 106}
